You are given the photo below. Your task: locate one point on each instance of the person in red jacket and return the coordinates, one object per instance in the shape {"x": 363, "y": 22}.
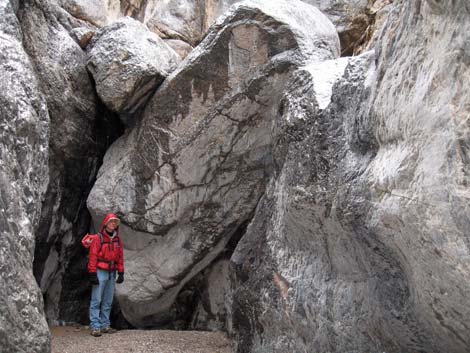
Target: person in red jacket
{"x": 105, "y": 257}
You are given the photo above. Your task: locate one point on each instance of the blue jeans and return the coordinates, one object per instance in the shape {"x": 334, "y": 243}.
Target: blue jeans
{"x": 102, "y": 299}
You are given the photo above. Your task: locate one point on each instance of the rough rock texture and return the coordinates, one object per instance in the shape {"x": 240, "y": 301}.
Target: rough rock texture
{"x": 75, "y": 153}
{"x": 421, "y": 199}
{"x": 193, "y": 170}
{"x": 351, "y": 174}
{"x": 94, "y": 12}
{"x": 180, "y": 47}
{"x": 299, "y": 266}
{"x": 182, "y": 20}
{"x": 354, "y": 20}
{"x": 188, "y": 20}
{"x": 128, "y": 62}
{"x": 23, "y": 178}
{"x": 360, "y": 242}
{"x": 211, "y": 311}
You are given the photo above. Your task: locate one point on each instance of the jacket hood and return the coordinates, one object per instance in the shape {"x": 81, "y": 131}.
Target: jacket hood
{"x": 108, "y": 218}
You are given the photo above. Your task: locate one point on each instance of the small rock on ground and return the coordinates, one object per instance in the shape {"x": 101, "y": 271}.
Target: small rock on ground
{"x": 78, "y": 340}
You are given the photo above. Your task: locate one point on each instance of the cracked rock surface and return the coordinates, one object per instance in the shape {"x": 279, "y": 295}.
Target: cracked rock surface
{"x": 128, "y": 62}
{"x": 24, "y": 126}
{"x": 195, "y": 167}
{"x": 360, "y": 243}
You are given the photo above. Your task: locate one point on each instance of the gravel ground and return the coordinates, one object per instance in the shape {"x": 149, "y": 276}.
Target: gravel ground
{"x": 79, "y": 340}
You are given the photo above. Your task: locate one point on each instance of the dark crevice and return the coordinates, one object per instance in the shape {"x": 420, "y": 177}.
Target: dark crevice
{"x": 72, "y": 173}
{"x": 194, "y": 294}
{"x": 359, "y": 31}
{"x": 75, "y": 294}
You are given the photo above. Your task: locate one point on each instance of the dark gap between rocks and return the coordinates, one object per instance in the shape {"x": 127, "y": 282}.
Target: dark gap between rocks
{"x": 193, "y": 303}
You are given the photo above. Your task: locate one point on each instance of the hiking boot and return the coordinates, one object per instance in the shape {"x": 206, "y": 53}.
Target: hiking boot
{"x": 108, "y": 330}
{"x": 95, "y": 332}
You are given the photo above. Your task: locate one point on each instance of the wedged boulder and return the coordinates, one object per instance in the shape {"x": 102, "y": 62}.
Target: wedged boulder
{"x": 128, "y": 62}
{"x": 183, "y": 20}
{"x": 24, "y": 122}
{"x": 194, "y": 168}
{"x": 188, "y": 20}
{"x": 360, "y": 242}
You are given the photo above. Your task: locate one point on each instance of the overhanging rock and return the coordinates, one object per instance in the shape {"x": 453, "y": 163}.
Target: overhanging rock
{"x": 128, "y": 62}
{"x": 195, "y": 167}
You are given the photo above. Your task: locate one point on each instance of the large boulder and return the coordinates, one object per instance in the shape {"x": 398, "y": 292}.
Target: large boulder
{"x": 24, "y": 122}
{"x": 360, "y": 241}
{"x": 189, "y": 20}
{"x": 182, "y": 20}
{"x": 128, "y": 62}
{"x": 97, "y": 13}
{"x": 183, "y": 23}
{"x": 194, "y": 168}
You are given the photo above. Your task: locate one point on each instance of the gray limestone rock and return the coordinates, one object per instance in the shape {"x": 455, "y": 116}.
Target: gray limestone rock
{"x": 421, "y": 197}
{"x": 297, "y": 265}
{"x": 352, "y": 19}
{"x": 177, "y": 19}
{"x": 194, "y": 168}
{"x": 188, "y": 20}
{"x": 128, "y": 62}
{"x": 75, "y": 150}
{"x": 24, "y": 126}
{"x": 211, "y": 311}
{"x": 94, "y": 12}
{"x": 360, "y": 241}
{"x": 82, "y": 36}
{"x": 179, "y": 46}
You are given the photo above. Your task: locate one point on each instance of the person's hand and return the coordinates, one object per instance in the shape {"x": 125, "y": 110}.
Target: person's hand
{"x": 93, "y": 278}
{"x": 120, "y": 278}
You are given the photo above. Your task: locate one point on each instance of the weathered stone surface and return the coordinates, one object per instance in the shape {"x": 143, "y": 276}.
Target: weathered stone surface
{"x": 359, "y": 243}
{"x": 177, "y": 19}
{"x": 356, "y": 183}
{"x": 75, "y": 152}
{"x": 211, "y": 311}
{"x": 23, "y": 178}
{"x": 82, "y": 36}
{"x": 292, "y": 266}
{"x": 94, "y": 12}
{"x": 180, "y": 47}
{"x": 193, "y": 170}
{"x": 128, "y": 62}
{"x": 189, "y": 20}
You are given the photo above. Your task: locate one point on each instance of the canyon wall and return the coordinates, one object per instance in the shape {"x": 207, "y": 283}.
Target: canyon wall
{"x": 269, "y": 184}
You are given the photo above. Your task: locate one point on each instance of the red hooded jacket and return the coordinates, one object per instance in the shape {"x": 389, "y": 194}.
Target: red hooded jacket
{"x": 108, "y": 255}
